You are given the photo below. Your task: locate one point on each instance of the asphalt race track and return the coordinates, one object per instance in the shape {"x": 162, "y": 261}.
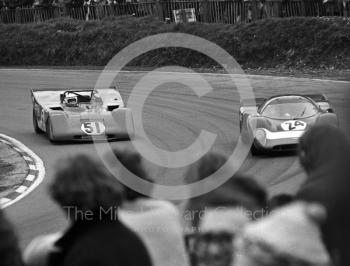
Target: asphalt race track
{"x": 173, "y": 117}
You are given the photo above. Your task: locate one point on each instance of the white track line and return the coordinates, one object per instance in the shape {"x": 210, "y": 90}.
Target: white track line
{"x": 30, "y": 177}
{"x": 32, "y": 167}
{"x": 4, "y": 201}
{"x": 39, "y": 166}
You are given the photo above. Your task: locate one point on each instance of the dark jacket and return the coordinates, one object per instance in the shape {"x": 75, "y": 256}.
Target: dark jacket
{"x": 10, "y": 254}
{"x": 103, "y": 242}
{"x": 327, "y": 165}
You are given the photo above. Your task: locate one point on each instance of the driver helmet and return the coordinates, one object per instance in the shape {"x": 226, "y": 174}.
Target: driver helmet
{"x": 71, "y": 100}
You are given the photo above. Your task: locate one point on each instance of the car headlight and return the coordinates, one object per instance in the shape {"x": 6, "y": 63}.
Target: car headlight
{"x": 260, "y": 135}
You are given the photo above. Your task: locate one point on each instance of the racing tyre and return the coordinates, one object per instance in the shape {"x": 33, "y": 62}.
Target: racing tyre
{"x": 126, "y": 136}
{"x": 49, "y": 131}
{"x": 255, "y": 151}
{"x": 130, "y": 135}
{"x": 35, "y": 124}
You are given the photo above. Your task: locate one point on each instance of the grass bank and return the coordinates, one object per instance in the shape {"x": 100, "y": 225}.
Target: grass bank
{"x": 13, "y": 169}
{"x": 295, "y": 43}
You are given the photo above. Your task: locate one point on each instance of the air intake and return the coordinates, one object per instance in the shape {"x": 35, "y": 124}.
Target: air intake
{"x": 112, "y": 107}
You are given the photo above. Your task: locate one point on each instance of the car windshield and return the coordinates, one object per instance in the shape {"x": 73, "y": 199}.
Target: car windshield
{"x": 289, "y": 108}
{"x": 79, "y": 96}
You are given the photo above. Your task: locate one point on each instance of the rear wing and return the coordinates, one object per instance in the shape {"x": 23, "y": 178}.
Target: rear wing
{"x": 317, "y": 97}
{"x": 322, "y": 101}
{"x": 251, "y": 105}
{"x": 70, "y": 88}
{"x": 33, "y": 91}
{"x": 51, "y": 97}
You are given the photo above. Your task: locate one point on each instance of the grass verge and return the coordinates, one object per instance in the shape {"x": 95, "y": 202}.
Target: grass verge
{"x": 289, "y": 43}
{"x": 13, "y": 169}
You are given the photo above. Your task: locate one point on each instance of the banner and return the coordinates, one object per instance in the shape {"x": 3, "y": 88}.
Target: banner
{"x": 184, "y": 15}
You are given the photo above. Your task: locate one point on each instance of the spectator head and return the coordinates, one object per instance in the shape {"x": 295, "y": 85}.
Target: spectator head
{"x": 132, "y": 163}
{"x": 289, "y": 236}
{"x": 321, "y": 146}
{"x": 328, "y": 184}
{"x": 10, "y": 254}
{"x": 280, "y": 200}
{"x": 238, "y": 192}
{"x": 219, "y": 216}
{"x": 206, "y": 166}
{"x": 83, "y": 184}
{"x": 212, "y": 244}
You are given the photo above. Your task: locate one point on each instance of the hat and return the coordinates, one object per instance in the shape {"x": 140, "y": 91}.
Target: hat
{"x": 290, "y": 234}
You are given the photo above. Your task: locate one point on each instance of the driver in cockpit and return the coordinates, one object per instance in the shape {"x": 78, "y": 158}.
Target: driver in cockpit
{"x": 71, "y": 101}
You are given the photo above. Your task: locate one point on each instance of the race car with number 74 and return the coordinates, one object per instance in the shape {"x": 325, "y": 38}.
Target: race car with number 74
{"x": 81, "y": 114}
{"x": 277, "y": 123}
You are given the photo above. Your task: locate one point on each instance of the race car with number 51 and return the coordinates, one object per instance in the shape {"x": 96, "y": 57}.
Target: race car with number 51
{"x": 81, "y": 114}
{"x": 277, "y": 123}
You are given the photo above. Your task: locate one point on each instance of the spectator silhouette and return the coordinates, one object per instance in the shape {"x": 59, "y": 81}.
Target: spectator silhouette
{"x": 218, "y": 216}
{"x": 280, "y": 200}
{"x": 290, "y": 236}
{"x": 205, "y": 167}
{"x": 9, "y": 250}
{"x": 324, "y": 153}
{"x": 90, "y": 196}
{"x": 38, "y": 251}
{"x": 239, "y": 190}
{"x": 157, "y": 222}
{"x": 262, "y": 9}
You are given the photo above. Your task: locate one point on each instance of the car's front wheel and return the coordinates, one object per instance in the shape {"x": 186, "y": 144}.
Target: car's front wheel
{"x": 35, "y": 124}
{"x": 49, "y": 130}
{"x": 255, "y": 150}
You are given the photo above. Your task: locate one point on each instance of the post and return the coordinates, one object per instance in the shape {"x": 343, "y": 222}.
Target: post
{"x": 255, "y": 10}
{"x": 64, "y": 8}
{"x": 159, "y": 10}
{"x": 302, "y": 8}
{"x": 204, "y": 11}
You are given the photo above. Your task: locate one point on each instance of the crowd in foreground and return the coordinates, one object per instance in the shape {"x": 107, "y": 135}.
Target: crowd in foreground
{"x": 236, "y": 224}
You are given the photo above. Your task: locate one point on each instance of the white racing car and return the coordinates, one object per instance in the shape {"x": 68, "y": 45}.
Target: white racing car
{"x": 277, "y": 123}
{"x": 81, "y": 114}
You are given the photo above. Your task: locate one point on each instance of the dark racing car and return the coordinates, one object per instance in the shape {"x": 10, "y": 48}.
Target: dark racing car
{"x": 278, "y": 122}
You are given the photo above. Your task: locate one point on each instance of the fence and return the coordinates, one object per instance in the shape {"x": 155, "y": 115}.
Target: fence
{"x": 211, "y": 11}
{"x": 28, "y": 15}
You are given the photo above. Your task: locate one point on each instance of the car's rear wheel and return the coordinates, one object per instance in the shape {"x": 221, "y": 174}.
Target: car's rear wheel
{"x": 49, "y": 130}
{"x": 126, "y": 136}
{"x": 35, "y": 124}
